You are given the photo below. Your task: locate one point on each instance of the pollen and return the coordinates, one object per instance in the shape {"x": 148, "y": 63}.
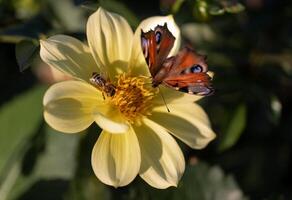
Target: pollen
{"x": 133, "y": 97}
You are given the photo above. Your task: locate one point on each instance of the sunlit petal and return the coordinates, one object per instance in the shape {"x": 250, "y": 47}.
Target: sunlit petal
{"x": 137, "y": 63}
{"x": 116, "y": 158}
{"x": 188, "y": 122}
{"x": 68, "y": 55}
{"x": 110, "y": 38}
{"x": 162, "y": 163}
{"x": 174, "y": 97}
{"x": 111, "y": 120}
{"x": 68, "y": 105}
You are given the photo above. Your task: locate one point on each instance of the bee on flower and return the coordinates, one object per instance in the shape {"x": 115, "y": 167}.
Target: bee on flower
{"x": 137, "y": 136}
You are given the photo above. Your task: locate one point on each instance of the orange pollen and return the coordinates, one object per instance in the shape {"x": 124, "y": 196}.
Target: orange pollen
{"x": 133, "y": 96}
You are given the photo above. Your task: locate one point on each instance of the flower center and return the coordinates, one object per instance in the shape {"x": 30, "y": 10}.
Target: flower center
{"x": 133, "y": 96}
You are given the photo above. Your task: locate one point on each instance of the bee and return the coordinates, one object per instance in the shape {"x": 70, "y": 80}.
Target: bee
{"x": 105, "y": 86}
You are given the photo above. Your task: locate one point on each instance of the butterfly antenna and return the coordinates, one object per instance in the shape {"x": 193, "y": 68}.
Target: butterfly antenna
{"x": 163, "y": 100}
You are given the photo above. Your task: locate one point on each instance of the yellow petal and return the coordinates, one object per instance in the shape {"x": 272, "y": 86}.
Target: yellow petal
{"x": 110, "y": 39}
{"x": 68, "y": 55}
{"x": 111, "y": 120}
{"x": 162, "y": 162}
{"x": 116, "y": 158}
{"x": 172, "y": 96}
{"x": 188, "y": 122}
{"x": 68, "y": 106}
{"x": 137, "y": 63}
{"x": 71, "y": 106}
{"x": 73, "y": 89}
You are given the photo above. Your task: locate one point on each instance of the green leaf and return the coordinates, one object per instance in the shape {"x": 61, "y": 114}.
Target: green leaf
{"x": 88, "y": 187}
{"x": 68, "y": 16}
{"x": 176, "y": 6}
{"x": 89, "y": 6}
{"x": 12, "y": 38}
{"x": 234, "y": 129}
{"x": 25, "y": 52}
{"x": 223, "y": 6}
{"x": 204, "y": 33}
{"x": 57, "y": 162}
{"x": 28, "y": 29}
{"x": 199, "y": 182}
{"x": 27, "y": 8}
{"x": 203, "y": 182}
{"x": 235, "y": 8}
{"x": 10, "y": 179}
{"x": 19, "y": 120}
{"x": 59, "y": 159}
{"x": 216, "y": 10}
{"x": 200, "y": 10}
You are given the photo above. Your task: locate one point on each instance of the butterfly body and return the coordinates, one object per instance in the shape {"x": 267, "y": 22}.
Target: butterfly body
{"x": 186, "y": 72}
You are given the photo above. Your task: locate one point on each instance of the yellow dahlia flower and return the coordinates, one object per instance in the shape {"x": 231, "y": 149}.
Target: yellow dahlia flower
{"x": 137, "y": 129}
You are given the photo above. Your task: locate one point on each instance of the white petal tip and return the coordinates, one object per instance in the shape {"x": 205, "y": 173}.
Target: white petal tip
{"x": 211, "y": 74}
{"x": 171, "y": 184}
{"x": 170, "y": 17}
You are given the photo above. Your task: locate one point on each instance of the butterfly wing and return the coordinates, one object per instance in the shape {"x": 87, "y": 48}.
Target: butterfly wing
{"x": 187, "y": 72}
{"x": 156, "y": 45}
{"x": 195, "y": 83}
{"x": 188, "y": 61}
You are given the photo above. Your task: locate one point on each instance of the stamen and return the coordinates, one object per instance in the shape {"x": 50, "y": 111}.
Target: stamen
{"x": 133, "y": 97}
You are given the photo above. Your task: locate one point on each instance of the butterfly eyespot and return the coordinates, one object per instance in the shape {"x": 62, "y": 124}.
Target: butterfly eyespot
{"x": 196, "y": 69}
{"x": 193, "y": 69}
{"x": 158, "y": 37}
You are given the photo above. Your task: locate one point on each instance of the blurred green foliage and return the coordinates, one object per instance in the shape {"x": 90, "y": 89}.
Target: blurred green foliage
{"x": 17, "y": 128}
{"x": 25, "y": 52}
{"x": 249, "y": 48}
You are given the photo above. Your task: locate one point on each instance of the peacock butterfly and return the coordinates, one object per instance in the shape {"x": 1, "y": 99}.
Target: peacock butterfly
{"x": 185, "y": 72}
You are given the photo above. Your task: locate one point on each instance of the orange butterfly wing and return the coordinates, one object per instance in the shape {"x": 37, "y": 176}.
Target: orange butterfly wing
{"x": 186, "y": 58}
{"x": 196, "y": 83}
{"x": 156, "y": 45}
{"x": 186, "y": 72}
